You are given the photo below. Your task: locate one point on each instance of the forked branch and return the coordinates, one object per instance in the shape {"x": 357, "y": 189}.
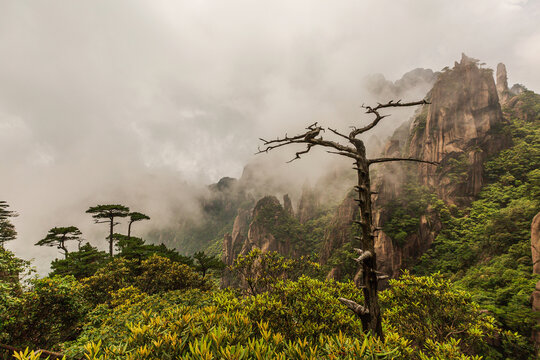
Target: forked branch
{"x": 311, "y": 138}
{"x": 379, "y": 117}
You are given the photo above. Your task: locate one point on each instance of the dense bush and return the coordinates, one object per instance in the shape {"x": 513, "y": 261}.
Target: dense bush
{"x": 299, "y": 309}
{"x": 430, "y": 309}
{"x": 259, "y": 271}
{"x": 11, "y": 269}
{"x": 153, "y": 275}
{"x": 50, "y": 313}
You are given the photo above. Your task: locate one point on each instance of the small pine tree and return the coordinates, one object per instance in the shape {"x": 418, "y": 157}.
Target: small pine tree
{"x": 7, "y": 229}
{"x": 58, "y": 236}
{"x": 107, "y": 214}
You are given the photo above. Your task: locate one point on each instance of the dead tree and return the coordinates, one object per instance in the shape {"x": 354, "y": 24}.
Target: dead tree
{"x": 353, "y": 147}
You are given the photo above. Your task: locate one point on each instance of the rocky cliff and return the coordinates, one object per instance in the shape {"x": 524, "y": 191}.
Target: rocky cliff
{"x": 339, "y": 232}
{"x": 458, "y": 129}
{"x": 309, "y": 203}
{"x": 233, "y": 242}
{"x": 269, "y": 227}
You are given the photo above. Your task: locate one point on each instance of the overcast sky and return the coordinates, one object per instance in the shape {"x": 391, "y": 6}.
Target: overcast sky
{"x": 143, "y": 102}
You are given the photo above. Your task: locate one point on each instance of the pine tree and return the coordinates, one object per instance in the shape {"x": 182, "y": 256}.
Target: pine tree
{"x": 134, "y": 217}
{"x": 7, "y": 229}
{"x": 107, "y": 214}
{"x": 58, "y": 236}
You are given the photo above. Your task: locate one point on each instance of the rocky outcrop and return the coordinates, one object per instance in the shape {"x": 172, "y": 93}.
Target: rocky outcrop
{"x": 457, "y": 130}
{"x": 391, "y": 258}
{"x": 340, "y": 230}
{"x": 233, "y": 243}
{"x": 272, "y": 229}
{"x": 535, "y": 243}
{"x": 287, "y": 205}
{"x": 268, "y": 227}
{"x": 309, "y": 203}
{"x": 502, "y": 84}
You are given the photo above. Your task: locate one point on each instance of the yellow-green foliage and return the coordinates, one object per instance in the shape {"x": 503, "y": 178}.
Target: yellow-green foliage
{"x": 261, "y": 270}
{"x": 299, "y": 309}
{"x": 438, "y": 318}
{"x": 190, "y": 326}
{"x": 425, "y": 318}
{"x": 29, "y": 355}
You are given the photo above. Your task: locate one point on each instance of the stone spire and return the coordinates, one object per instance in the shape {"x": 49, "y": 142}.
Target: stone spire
{"x": 502, "y": 83}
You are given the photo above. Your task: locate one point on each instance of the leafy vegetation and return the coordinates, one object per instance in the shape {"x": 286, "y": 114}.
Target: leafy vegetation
{"x": 404, "y": 212}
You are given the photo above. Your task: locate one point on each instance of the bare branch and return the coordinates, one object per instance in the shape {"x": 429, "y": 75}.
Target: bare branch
{"x": 309, "y": 137}
{"x": 398, "y": 103}
{"x": 379, "y": 117}
{"x": 381, "y": 160}
{"x": 343, "y": 153}
{"x": 301, "y": 152}
{"x": 355, "y": 307}
{"x": 338, "y": 133}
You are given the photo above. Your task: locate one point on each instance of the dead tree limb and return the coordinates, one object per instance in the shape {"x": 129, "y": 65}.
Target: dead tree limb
{"x": 383, "y": 160}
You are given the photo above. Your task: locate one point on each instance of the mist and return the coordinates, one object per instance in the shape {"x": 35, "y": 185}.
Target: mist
{"x": 145, "y": 103}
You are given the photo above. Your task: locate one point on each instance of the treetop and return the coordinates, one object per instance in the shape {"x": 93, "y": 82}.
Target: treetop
{"x": 137, "y": 216}
{"x": 108, "y": 211}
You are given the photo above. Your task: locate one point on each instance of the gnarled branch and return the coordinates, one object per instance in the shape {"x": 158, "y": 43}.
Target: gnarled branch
{"x": 379, "y": 117}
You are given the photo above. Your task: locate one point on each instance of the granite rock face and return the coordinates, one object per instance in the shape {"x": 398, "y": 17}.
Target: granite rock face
{"x": 233, "y": 243}
{"x": 287, "y": 205}
{"x": 340, "y": 230}
{"x": 309, "y": 202}
{"x": 502, "y": 84}
{"x": 458, "y": 129}
{"x": 535, "y": 243}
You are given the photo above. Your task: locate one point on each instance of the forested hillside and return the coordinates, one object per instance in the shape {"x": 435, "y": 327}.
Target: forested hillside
{"x": 265, "y": 277}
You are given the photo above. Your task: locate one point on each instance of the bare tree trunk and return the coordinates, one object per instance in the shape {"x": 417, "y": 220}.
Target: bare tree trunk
{"x": 369, "y": 265}
{"x": 63, "y": 246}
{"x": 129, "y": 230}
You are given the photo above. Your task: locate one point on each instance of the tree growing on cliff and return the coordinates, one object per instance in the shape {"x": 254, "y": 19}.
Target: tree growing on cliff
{"x": 58, "y": 236}
{"x": 106, "y": 214}
{"x": 354, "y": 148}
